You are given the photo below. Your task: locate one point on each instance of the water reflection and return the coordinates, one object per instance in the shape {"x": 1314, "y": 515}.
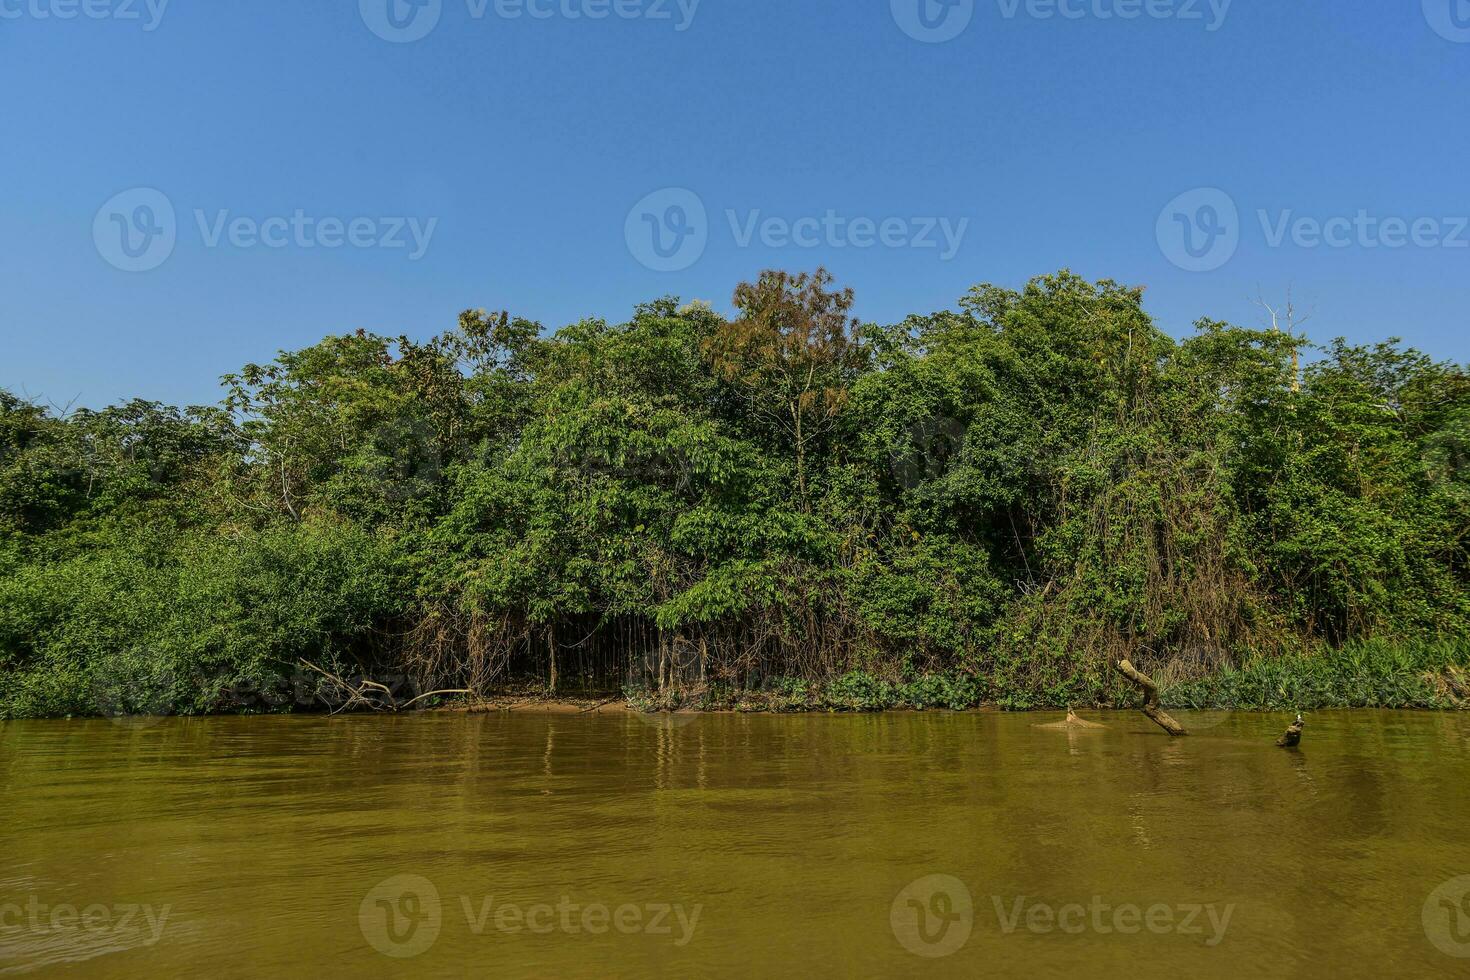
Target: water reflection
{"x": 265, "y": 839}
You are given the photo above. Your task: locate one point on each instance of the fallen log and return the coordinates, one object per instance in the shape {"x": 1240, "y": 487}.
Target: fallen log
{"x": 1150, "y": 707}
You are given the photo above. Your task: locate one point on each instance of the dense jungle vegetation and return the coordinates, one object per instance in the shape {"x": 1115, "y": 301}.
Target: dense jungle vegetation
{"x": 784, "y": 508}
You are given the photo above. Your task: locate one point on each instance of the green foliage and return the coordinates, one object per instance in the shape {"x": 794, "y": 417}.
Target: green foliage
{"x": 126, "y": 630}
{"x": 786, "y": 510}
{"x": 1362, "y": 674}
{"x": 859, "y": 691}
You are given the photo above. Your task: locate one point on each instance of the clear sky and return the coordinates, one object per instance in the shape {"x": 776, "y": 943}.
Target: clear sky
{"x": 191, "y": 186}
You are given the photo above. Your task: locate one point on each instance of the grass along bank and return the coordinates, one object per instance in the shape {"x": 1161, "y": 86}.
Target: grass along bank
{"x": 1368, "y": 674}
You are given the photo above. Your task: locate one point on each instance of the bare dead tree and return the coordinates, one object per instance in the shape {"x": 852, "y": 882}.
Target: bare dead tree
{"x": 1285, "y": 317}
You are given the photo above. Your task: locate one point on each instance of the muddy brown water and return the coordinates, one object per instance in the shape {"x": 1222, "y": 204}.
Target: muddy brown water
{"x": 731, "y": 845}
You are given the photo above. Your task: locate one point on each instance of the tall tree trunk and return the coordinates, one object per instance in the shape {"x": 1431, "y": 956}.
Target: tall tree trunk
{"x": 663, "y": 661}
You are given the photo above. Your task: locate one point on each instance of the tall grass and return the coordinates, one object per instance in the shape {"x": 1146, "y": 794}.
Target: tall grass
{"x": 1367, "y": 674}
{"x": 1363, "y": 674}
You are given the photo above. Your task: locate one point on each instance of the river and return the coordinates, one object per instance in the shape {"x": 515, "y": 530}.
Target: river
{"x": 601, "y": 845}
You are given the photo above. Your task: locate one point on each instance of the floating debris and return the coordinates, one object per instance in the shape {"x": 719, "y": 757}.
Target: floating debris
{"x": 1293, "y": 735}
{"x": 1071, "y": 722}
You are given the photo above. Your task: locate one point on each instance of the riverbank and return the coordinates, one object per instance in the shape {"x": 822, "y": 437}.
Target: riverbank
{"x": 1375, "y": 675}
{"x": 952, "y": 511}
{"x": 1433, "y": 676}
{"x": 1363, "y": 675}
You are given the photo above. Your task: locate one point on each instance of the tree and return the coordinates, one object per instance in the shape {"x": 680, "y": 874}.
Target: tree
{"x": 794, "y": 354}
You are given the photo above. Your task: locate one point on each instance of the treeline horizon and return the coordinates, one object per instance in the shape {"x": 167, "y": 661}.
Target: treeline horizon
{"x": 1011, "y": 496}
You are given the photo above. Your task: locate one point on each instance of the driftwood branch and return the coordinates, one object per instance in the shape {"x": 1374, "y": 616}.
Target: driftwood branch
{"x": 600, "y": 704}
{"x": 456, "y": 690}
{"x": 1071, "y": 722}
{"x": 358, "y": 694}
{"x": 1150, "y": 698}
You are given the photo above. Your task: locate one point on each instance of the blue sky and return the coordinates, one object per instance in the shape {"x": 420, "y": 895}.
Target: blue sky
{"x": 324, "y": 173}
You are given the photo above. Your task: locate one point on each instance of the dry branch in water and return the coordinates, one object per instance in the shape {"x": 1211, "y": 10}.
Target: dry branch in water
{"x": 1071, "y": 722}
{"x": 1150, "y": 699}
{"x": 370, "y": 694}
